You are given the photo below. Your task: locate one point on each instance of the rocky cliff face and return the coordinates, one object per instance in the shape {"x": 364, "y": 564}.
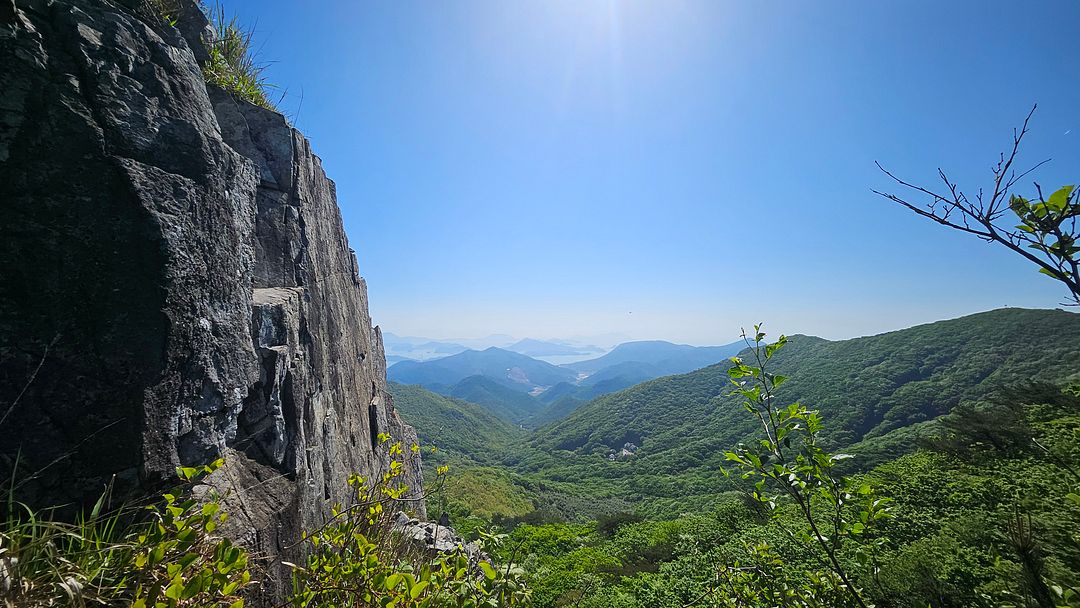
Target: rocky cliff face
{"x": 175, "y": 282}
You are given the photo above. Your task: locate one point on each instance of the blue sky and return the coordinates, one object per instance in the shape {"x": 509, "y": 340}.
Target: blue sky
{"x": 671, "y": 170}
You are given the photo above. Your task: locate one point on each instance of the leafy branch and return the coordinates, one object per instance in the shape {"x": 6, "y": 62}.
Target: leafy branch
{"x": 789, "y": 464}
{"x": 1046, "y": 234}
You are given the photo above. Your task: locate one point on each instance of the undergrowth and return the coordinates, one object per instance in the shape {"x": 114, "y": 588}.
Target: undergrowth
{"x": 167, "y": 555}
{"x": 167, "y": 558}
{"x": 361, "y": 558}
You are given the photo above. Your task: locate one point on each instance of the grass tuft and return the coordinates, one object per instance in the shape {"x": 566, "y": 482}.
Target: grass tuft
{"x": 233, "y": 65}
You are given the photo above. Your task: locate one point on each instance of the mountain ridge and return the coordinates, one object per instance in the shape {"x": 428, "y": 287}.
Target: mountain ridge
{"x": 875, "y": 391}
{"x": 513, "y": 370}
{"x": 816, "y": 365}
{"x": 666, "y": 357}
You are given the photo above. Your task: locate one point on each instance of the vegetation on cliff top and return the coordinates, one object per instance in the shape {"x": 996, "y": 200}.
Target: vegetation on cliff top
{"x": 233, "y": 65}
{"x": 171, "y": 554}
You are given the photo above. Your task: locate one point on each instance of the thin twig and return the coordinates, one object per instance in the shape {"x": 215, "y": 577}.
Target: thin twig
{"x": 30, "y": 381}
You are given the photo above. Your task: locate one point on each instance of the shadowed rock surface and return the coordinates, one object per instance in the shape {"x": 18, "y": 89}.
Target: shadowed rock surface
{"x": 177, "y": 284}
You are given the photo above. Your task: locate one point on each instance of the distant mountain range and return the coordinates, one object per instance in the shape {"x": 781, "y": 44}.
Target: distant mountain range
{"x": 406, "y": 348}
{"x": 524, "y": 390}
{"x": 501, "y": 381}
{"x": 874, "y": 392}
{"x": 654, "y": 358}
{"x": 879, "y": 395}
{"x": 628, "y": 364}
{"x": 541, "y": 348}
{"x": 510, "y": 369}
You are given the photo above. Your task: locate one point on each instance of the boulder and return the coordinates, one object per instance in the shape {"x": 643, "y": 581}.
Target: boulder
{"x": 435, "y": 538}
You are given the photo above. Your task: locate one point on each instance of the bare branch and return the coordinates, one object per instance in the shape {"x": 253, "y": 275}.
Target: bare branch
{"x": 1041, "y": 227}
{"x": 943, "y": 220}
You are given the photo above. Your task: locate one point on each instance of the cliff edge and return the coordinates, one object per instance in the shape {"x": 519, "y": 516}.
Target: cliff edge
{"x": 176, "y": 282}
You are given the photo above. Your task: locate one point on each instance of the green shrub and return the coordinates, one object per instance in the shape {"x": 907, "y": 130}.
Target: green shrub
{"x": 358, "y": 559}
{"x": 485, "y": 492}
{"x": 169, "y": 10}
{"x": 166, "y": 555}
{"x": 169, "y": 558}
{"x": 608, "y": 525}
{"x": 789, "y": 469}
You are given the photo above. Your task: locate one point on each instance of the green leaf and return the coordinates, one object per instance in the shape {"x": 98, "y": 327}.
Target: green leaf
{"x": 1059, "y": 200}
{"x": 739, "y": 370}
{"x": 418, "y": 588}
{"x": 193, "y": 588}
{"x": 175, "y": 590}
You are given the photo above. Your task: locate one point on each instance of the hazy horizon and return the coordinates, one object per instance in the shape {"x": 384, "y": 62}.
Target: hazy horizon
{"x": 608, "y": 340}
{"x": 671, "y": 171}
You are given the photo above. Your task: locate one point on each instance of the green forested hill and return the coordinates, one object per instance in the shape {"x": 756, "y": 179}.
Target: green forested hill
{"x": 877, "y": 396}
{"x": 457, "y": 427}
{"x": 506, "y": 403}
{"x": 865, "y": 388}
{"x": 473, "y": 442}
{"x": 979, "y": 389}
{"x": 947, "y": 543}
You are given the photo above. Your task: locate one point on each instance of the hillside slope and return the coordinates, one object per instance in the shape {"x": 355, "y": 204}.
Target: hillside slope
{"x": 865, "y": 388}
{"x": 458, "y": 428}
{"x": 508, "y": 404}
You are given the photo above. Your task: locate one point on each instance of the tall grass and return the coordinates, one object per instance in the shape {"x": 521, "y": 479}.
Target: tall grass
{"x": 233, "y": 65}
{"x": 45, "y": 562}
{"x": 164, "y": 554}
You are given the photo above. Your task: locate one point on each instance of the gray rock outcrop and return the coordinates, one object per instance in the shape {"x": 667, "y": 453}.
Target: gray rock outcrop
{"x": 176, "y": 282}
{"x": 435, "y": 538}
